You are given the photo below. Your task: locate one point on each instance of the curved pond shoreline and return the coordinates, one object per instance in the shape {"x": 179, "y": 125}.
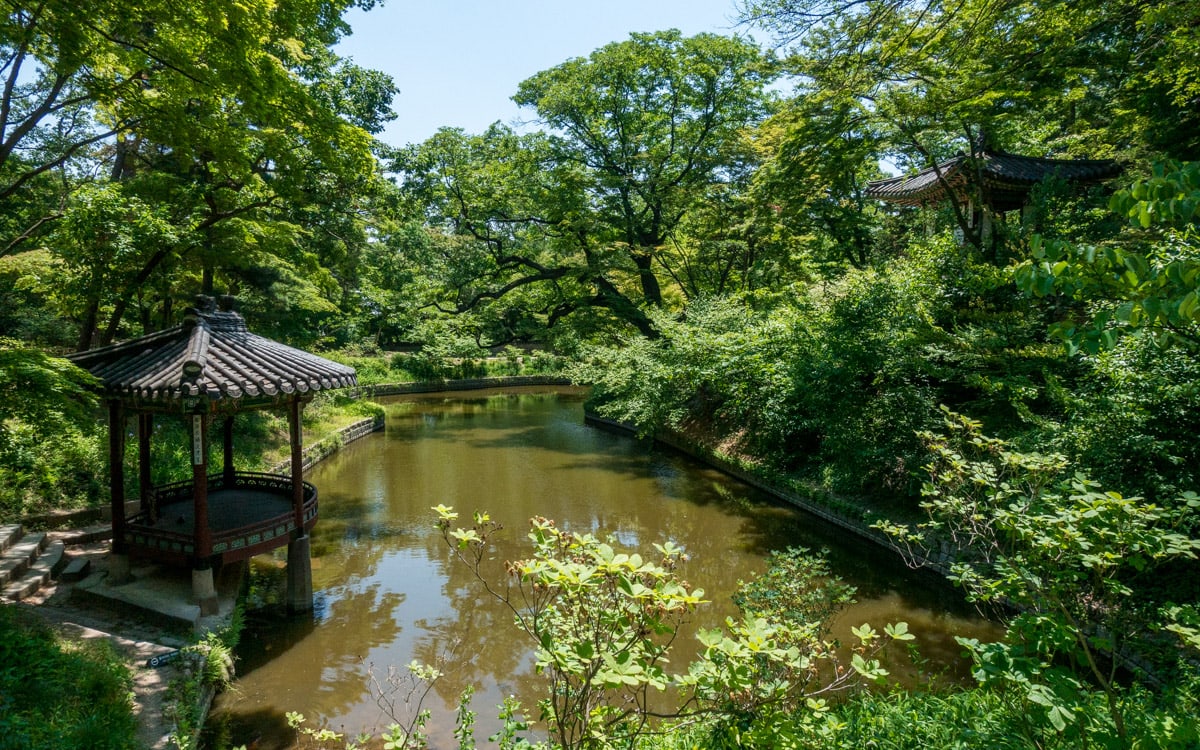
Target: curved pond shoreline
{"x": 700, "y": 451}
{"x": 707, "y": 454}
{"x": 330, "y": 444}
{"x": 859, "y": 526}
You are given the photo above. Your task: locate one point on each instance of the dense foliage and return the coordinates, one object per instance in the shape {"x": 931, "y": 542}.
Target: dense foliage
{"x": 688, "y": 223}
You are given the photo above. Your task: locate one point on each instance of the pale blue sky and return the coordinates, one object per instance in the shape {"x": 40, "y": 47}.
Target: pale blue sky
{"x": 458, "y": 62}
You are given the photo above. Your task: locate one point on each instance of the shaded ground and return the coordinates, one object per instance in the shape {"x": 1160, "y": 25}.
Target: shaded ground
{"x": 133, "y": 638}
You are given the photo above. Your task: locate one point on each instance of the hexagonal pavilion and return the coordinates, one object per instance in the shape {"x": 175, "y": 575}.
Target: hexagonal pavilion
{"x": 208, "y": 368}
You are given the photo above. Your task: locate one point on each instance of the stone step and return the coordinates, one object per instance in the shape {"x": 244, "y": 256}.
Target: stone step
{"x": 77, "y": 569}
{"x": 9, "y": 534}
{"x": 54, "y": 558}
{"x": 47, "y": 566}
{"x": 86, "y": 535}
{"x": 20, "y": 556}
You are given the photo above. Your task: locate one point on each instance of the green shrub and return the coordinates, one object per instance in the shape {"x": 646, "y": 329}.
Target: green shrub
{"x": 604, "y": 622}
{"x": 50, "y": 466}
{"x": 59, "y": 695}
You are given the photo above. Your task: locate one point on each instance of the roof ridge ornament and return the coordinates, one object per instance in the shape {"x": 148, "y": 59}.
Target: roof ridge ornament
{"x": 197, "y": 351}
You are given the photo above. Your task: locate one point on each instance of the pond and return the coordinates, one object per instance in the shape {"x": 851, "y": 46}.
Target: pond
{"x": 387, "y": 591}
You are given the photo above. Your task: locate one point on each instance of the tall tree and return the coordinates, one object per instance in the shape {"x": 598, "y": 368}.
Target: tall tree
{"x": 223, "y": 118}
{"x": 655, "y": 122}
{"x": 923, "y": 79}
{"x": 509, "y": 220}
{"x": 577, "y": 221}
{"x": 1076, "y": 78}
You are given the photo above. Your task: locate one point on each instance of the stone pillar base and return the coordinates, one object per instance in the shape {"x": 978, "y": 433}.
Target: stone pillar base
{"x": 204, "y": 591}
{"x": 118, "y": 569}
{"x": 299, "y": 576}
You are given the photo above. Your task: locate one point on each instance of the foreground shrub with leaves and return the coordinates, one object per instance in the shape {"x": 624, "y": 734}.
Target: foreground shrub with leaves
{"x": 1059, "y": 559}
{"x": 958, "y": 720}
{"x": 603, "y": 623}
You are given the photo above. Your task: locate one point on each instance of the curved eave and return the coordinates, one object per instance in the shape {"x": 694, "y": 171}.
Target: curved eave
{"x": 921, "y": 189}
{"x": 188, "y": 396}
{"x": 1009, "y": 176}
{"x": 210, "y": 368}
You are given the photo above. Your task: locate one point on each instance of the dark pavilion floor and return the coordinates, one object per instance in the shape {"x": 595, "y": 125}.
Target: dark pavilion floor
{"x": 228, "y": 510}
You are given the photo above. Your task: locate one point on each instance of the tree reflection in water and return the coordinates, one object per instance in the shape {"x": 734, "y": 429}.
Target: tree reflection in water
{"x": 387, "y": 593}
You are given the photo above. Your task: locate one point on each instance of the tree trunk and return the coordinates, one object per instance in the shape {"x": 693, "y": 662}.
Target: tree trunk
{"x": 651, "y": 291}
{"x": 110, "y": 331}
{"x": 87, "y": 327}
{"x": 608, "y": 296}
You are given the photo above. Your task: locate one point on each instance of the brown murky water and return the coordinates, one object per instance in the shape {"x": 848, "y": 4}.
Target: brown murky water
{"x": 388, "y": 593}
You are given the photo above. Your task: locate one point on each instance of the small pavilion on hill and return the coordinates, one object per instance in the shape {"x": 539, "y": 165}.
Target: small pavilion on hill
{"x": 202, "y": 371}
{"x": 986, "y": 184}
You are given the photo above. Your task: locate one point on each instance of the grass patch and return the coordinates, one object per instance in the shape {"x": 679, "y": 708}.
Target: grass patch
{"x": 376, "y": 368}
{"x": 58, "y": 694}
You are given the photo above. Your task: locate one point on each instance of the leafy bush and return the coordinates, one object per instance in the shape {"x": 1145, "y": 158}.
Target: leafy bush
{"x": 603, "y": 622}
{"x": 49, "y": 450}
{"x": 209, "y": 664}
{"x": 1131, "y": 420}
{"x": 834, "y": 386}
{"x": 986, "y": 718}
{"x": 1060, "y": 558}
{"x": 50, "y": 466}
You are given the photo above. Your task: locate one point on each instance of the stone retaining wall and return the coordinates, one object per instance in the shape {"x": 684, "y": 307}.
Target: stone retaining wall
{"x": 703, "y": 453}
{"x": 466, "y": 384}
{"x": 331, "y": 444}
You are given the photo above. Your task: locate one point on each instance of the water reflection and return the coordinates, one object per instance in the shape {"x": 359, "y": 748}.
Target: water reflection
{"x": 387, "y": 593}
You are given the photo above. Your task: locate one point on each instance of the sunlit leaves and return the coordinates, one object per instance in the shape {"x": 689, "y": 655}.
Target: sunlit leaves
{"x": 603, "y": 621}
{"x": 1055, "y": 549}
{"x": 38, "y": 388}
{"x": 1138, "y": 284}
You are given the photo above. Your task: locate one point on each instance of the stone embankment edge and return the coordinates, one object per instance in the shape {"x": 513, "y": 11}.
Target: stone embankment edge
{"x": 465, "y": 384}
{"x": 330, "y": 444}
{"x": 709, "y": 456}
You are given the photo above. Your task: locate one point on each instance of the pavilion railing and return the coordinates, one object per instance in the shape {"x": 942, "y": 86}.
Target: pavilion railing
{"x": 145, "y": 536}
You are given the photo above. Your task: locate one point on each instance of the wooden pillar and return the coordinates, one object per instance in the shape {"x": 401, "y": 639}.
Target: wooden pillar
{"x": 118, "y": 568}
{"x": 228, "y": 445}
{"x": 299, "y": 561}
{"x": 203, "y": 587}
{"x": 296, "y": 437}
{"x": 145, "y": 430}
{"x": 202, "y": 534}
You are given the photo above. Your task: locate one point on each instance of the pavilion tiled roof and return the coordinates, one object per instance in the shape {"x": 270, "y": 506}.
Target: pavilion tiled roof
{"x": 1006, "y": 178}
{"x": 210, "y": 355}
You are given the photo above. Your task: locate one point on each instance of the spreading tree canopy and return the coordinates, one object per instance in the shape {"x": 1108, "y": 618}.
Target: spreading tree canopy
{"x": 641, "y": 134}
